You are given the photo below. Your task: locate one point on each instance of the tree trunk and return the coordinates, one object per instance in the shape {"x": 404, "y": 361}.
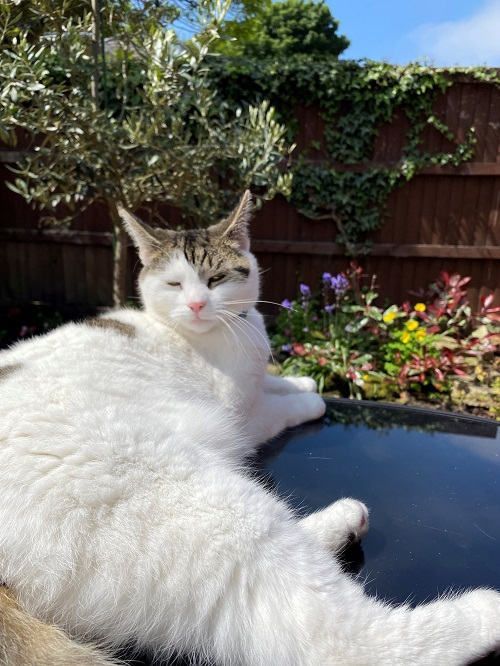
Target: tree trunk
{"x": 94, "y": 84}
{"x": 120, "y": 243}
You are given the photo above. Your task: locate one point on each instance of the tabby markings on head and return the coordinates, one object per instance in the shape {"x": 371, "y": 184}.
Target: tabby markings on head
{"x": 112, "y": 324}
{"x": 210, "y": 254}
{"x": 218, "y": 253}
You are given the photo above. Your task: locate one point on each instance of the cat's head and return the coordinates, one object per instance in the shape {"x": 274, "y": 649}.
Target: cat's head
{"x": 197, "y": 279}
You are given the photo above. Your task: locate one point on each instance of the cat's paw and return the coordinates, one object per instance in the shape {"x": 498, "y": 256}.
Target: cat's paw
{"x": 356, "y": 518}
{"x": 303, "y": 384}
{"x": 341, "y": 523}
{"x": 313, "y": 406}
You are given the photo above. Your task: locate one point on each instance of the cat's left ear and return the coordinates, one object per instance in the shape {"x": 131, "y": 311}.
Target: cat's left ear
{"x": 235, "y": 227}
{"x": 147, "y": 244}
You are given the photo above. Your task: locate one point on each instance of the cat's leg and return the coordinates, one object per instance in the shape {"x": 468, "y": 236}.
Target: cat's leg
{"x": 284, "y": 385}
{"x": 273, "y": 413}
{"x": 341, "y": 523}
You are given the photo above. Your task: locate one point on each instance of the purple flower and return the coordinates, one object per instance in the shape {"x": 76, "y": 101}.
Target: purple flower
{"x": 305, "y": 291}
{"x": 327, "y": 279}
{"x": 286, "y": 303}
{"x": 287, "y": 332}
{"x": 339, "y": 284}
{"x": 329, "y": 308}
{"x": 286, "y": 348}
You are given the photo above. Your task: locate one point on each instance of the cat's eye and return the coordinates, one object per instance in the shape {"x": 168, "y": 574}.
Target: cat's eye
{"x": 216, "y": 279}
{"x": 174, "y": 284}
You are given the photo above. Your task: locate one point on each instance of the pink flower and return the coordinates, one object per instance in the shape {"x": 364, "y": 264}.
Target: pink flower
{"x": 299, "y": 348}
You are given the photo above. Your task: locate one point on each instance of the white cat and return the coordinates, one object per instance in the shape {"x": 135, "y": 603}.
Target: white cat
{"x": 126, "y": 513}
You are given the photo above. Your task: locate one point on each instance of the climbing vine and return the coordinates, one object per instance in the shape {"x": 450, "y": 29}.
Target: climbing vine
{"x": 354, "y": 98}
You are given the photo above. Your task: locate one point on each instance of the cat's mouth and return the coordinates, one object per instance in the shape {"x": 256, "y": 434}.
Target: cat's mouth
{"x": 199, "y": 323}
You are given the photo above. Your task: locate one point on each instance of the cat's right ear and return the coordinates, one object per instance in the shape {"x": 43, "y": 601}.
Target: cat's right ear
{"x": 143, "y": 236}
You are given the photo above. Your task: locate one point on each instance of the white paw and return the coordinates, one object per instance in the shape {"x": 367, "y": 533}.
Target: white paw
{"x": 303, "y": 384}
{"x": 340, "y": 523}
{"x": 314, "y": 405}
{"x": 355, "y": 515}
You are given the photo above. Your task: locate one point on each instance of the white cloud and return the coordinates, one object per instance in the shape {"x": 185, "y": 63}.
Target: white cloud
{"x": 471, "y": 41}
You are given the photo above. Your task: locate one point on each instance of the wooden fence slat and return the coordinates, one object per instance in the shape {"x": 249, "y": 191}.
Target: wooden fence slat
{"x": 57, "y": 236}
{"x": 466, "y": 169}
{"x": 379, "y": 250}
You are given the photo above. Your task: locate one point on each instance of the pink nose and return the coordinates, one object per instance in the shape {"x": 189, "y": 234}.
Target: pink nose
{"x": 197, "y": 306}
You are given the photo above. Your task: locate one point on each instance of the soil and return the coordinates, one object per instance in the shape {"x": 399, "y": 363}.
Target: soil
{"x": 445, "y": 404}
{"x": 448, "y": 406}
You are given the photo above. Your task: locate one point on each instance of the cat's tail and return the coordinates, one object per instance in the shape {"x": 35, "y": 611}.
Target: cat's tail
{"x": 25, "y": 641}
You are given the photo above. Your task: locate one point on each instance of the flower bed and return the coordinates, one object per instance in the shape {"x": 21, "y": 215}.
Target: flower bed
{"x": 436, "y": 350}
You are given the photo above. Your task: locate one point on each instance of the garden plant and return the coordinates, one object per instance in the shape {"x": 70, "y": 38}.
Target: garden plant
{"x": 434, "y": 349}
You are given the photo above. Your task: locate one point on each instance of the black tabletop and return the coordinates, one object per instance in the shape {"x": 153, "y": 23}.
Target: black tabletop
{"x": 431, "y": 480}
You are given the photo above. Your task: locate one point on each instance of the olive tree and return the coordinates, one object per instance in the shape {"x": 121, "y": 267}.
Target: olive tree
{"x": 128, "y": 119}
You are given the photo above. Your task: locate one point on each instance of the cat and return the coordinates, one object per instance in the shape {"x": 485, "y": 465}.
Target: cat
{"x": 127, "y": 514}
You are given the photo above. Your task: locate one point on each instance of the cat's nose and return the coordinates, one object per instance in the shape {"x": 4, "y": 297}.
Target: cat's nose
{"x": 196, "y": 306}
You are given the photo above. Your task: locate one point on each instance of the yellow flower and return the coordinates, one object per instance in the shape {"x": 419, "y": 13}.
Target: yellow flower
{"x": 420, "y": 307}
{"x": 388, "y": 317}
{"x": 405, "y": 337}
{"x": 411, "y": 325}
{"x": 420, "y": 334}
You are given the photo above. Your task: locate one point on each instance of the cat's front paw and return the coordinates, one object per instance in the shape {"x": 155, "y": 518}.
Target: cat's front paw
{"x": 314, "y": 406}
{"x": 303, "y": 384}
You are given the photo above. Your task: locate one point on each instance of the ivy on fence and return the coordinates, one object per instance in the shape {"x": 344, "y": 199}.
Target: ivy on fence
{"x": 354, "y": 98}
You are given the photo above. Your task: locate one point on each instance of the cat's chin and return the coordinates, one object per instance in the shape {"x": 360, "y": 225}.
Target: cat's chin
{"x": 197, "y": 325}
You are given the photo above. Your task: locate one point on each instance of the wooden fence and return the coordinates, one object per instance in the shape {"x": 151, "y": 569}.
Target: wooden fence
{"x": 446, "y": 218}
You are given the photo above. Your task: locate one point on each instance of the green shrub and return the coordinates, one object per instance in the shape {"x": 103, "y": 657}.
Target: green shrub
{"x": 341, "y": 338}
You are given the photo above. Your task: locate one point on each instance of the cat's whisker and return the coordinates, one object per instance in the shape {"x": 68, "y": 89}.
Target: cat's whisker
{"x": 238, "y": 341}
{"x": 223, "y": 331}
{"x": 242, "y": 322}
{"x": 239, "y": 324}
{"x": 221, "y": 319}
{"x": 243, "y": 302}
{"x": 249, "y": 323}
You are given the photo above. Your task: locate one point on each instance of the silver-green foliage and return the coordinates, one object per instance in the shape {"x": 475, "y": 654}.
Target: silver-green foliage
{"x": 156, "y": 132}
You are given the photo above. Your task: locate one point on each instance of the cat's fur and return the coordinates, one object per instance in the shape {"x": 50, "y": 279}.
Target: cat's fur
{"x": 125, "y": 510}
{"x": 25, "y": 641}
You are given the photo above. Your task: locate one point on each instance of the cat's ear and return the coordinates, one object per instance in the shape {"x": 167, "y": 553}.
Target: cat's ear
{"x": 143, "y": 236}
{"x": 235, "y": 227}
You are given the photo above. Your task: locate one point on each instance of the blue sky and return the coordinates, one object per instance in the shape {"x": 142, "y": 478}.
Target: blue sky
{"x": 446, "y": 32}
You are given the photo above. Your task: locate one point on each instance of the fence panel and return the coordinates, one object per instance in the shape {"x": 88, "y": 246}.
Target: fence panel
{"x": 446, "y": 218}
